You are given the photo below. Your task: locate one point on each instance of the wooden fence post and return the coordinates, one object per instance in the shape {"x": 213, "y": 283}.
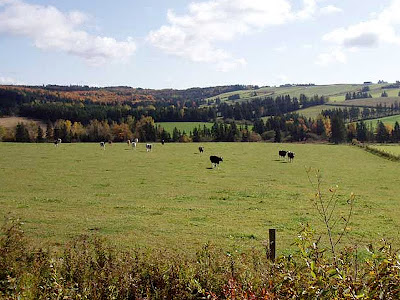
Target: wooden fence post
{"x": 272, "y": 244}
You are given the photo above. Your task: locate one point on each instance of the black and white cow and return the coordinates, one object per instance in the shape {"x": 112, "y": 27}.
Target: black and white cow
{"x": 136, "y": 140}
{"x": 134, "y": 145}
{"x": 162, "y": 142}
{"x": 290, "y": 156}
{"x": 149, "y": 147}
{"x": 201, "y": 149}
{"x": 57, "y": 142}
{"x": 215, "y": 160}
{"x": 282, "y": 153}
{"x": 103, "y": 145}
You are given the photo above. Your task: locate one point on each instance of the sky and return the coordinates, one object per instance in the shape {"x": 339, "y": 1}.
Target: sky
{"x": 198, "y": 43}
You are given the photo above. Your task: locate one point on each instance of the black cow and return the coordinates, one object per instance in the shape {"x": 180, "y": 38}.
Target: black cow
{"x": 282, "y": 153}
{"x": 201, "y": 149}
{"x": 215, "y": 160}
{"x": 290, "y": 156}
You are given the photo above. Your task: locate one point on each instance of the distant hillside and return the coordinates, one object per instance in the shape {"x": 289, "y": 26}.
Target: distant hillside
{"x": 120, "y": 94}
{"x": 335, "y": 92}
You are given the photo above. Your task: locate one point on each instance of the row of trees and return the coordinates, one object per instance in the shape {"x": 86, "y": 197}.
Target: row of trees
{"x": 52, "y": 106}
{"x": 288, "y": 128}
{"x": 353, "y": 113}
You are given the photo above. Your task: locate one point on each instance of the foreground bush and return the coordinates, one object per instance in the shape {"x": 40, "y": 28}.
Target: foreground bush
{"x": 87, "y": 269}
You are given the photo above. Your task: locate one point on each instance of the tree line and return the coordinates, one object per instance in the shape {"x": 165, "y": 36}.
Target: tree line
{"x": 53, "y": 107}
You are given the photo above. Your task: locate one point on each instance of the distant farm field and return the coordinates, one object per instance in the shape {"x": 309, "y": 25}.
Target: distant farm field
{"x": 183, "y": 126}
{"x": 171, "y": 199}
{"x": 391, "y": 120}
{"x": 11, "y": 122}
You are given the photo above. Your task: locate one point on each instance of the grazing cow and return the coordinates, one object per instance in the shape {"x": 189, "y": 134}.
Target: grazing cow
{"x": 148, "y": 147}
{"x": 103, "y": 145}
{"x": 282, "y": 153}
{"x": 133, "y": 145}
{"x": 215, "y": 160}
{"x": 201, "y": 149}
{"x": 57, "y": 142}
{"x": 136, "y": 140}
{"x": 162, "y": 142}
{"x": 128, "y": 142}
{"x": 290, "y": 156}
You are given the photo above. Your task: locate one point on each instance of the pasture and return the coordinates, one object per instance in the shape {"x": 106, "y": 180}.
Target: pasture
{"x": 393, "y": 149}
{"x": 183, "y": 126}
{"x": 170, "y": 198}
{"x": 391, "y": 120}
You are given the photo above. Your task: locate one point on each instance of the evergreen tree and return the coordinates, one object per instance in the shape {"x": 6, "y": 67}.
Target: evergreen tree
{"x": 382, "y": 134}
{"x": 361, "y": 131}
{"x": 39, "y": 137}
{"x": 396, "y": 133}
{"x": 338, "y": 130}
{"x": 21, "y": 133}
{"x": 384, "y": 94}
{"x": 49, "y": 132}
{"x": 278, "y": 136}
{"x": 175, "y": 135}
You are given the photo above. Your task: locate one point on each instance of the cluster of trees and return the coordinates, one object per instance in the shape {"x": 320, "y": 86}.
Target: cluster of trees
{"x": 95, "y": 131}
{"x": 144, "y": 129}
{"x": 50, "y": 107}
{"x": 353, "y": 113}
{"x": 358, "y": 95}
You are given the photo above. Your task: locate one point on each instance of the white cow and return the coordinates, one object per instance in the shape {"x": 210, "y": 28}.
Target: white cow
{"x": 133, "y": 145}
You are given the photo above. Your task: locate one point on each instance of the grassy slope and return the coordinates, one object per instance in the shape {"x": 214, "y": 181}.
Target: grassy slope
{"x": 314, "y": 111}
{"x": 392, "y": 148}
{"x": 11, "y": 122}
{"x": 183, "y": 126}
{"x": 334, "y": 91}
{"x": 169, "y": 199}
{"x": 387, "y": 121}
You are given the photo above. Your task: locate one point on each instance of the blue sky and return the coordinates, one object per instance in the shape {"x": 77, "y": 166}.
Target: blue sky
{"x": 180, "y": 44}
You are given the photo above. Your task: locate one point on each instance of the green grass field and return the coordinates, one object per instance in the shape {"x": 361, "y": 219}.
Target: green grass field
{"x": 391, "y": 120}
{"x": 389, "y": 148}
{"x": 335, "y": 92}
{"x": 314, "y": 111}
{"x": 183, "y": 126}
{"x": 171, "y": 199}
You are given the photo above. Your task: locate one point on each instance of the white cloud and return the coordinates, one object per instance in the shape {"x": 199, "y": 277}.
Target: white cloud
{"x": 52, "y": 29}
{"x": 334, "y": 56}
{"x": 8, "y": 80}
{"x": 282, "y": 48}
{"x": 380, "y": 29}
{"x": 330, "y": 9}
{"x": 195, "y": 34}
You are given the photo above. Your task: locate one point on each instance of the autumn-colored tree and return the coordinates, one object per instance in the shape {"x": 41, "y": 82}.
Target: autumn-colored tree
{"x": 121, "y": 132}
{"x": 78, "y": 132}
{"x": 145, "y": 130}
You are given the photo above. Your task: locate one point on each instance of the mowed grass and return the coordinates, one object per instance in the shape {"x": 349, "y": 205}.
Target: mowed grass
{"x": 171, "y": 199}
{"x": 390, "y": 148}
{"x": 183, "y": 126}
